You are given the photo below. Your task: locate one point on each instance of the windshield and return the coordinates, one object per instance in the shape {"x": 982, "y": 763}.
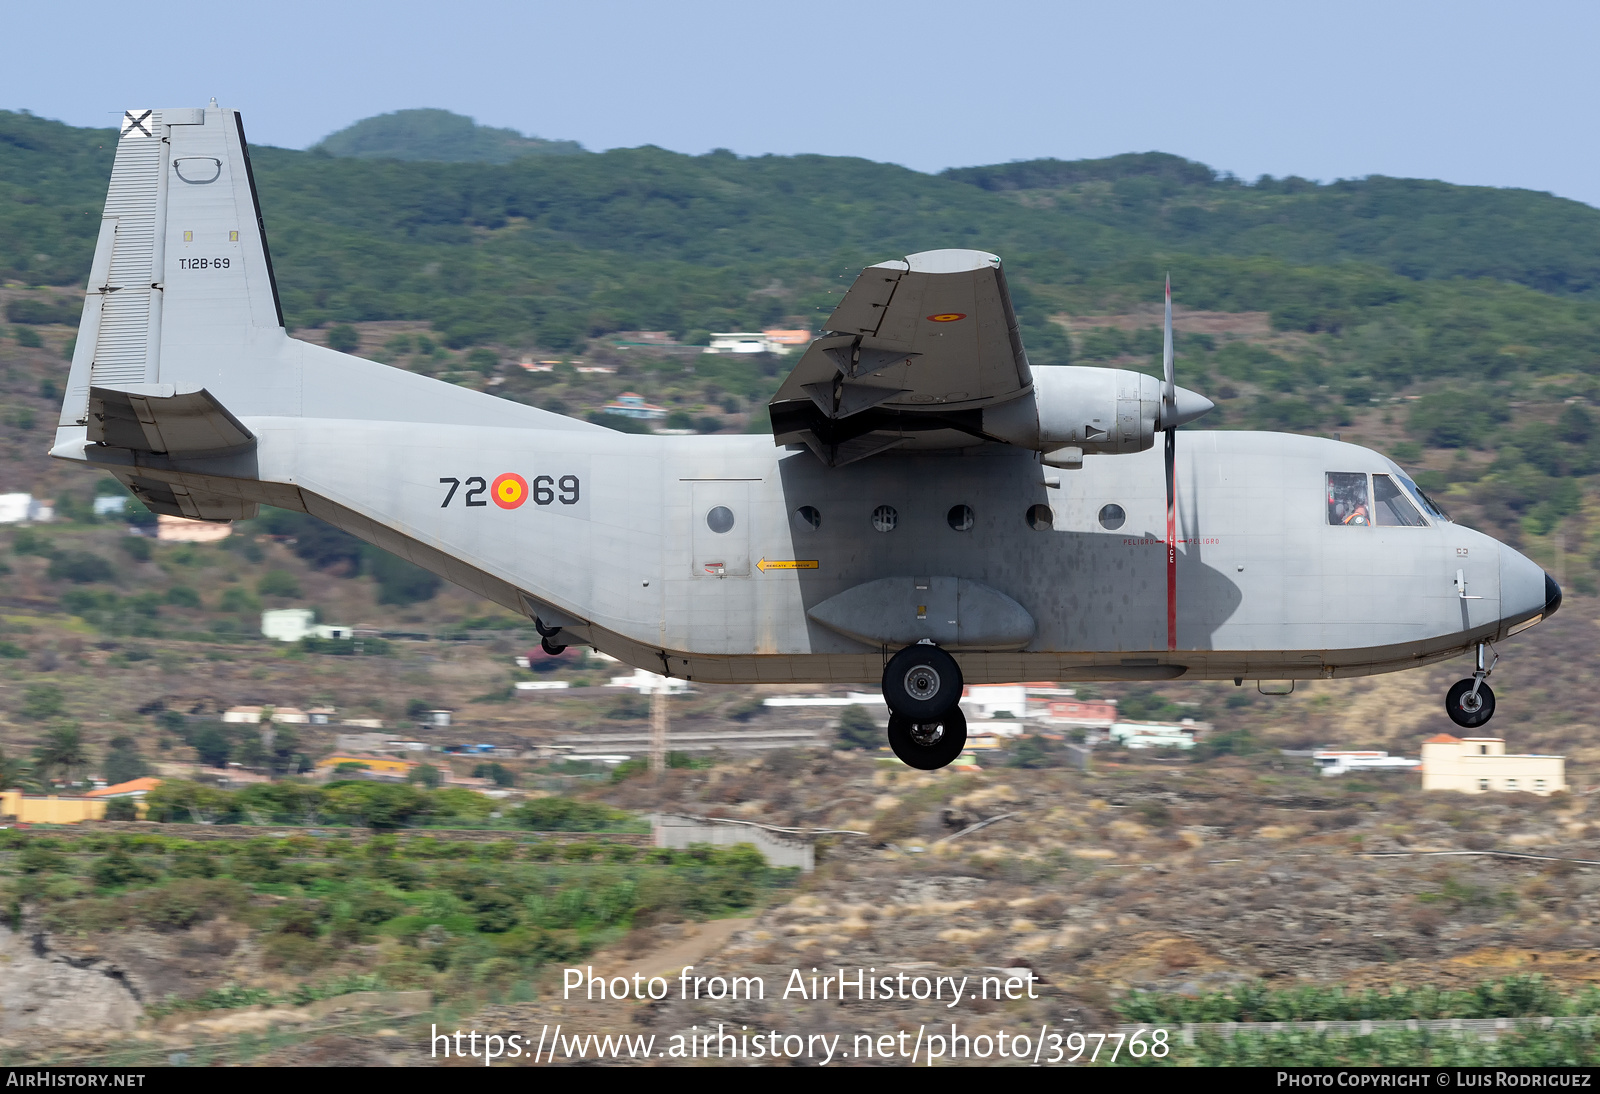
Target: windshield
{"x": 1428, "y": 503}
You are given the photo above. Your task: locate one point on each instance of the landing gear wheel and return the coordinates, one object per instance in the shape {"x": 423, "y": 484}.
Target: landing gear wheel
{"x": 544, "y": 631}
{"x": 1467, "y": 710}
{"x": 929, "y": 745}
{"x": 551, "y": 648}
{"x": 922, "y": 683}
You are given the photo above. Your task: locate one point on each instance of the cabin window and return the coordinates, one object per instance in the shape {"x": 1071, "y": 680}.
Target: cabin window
{"x": 1112, "y": 517}
{"x": 1347, "y": 498}
{"x": 720, "y": 520}
{"x": 1040, "y": 518}
{"x": 809, "y": 516}
{"x": 884, "y": 518}
{"x": 960, "y": 518}
{"x": 1393, "y": 508}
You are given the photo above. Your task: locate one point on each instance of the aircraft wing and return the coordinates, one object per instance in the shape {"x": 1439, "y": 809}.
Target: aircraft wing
{"x": 915, "y": 351}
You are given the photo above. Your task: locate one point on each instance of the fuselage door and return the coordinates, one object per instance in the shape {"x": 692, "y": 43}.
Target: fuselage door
{"x": 720, "y": 534}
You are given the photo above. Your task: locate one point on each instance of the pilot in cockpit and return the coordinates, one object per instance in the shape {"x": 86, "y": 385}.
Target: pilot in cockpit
{"x": 1347, "y": 499}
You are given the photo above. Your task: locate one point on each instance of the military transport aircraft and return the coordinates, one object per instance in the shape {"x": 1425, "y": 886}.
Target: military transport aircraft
{"x": 934, "y": 510}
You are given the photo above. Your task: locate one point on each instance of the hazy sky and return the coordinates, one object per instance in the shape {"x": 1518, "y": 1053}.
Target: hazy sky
{"x": 1498, "y": 94}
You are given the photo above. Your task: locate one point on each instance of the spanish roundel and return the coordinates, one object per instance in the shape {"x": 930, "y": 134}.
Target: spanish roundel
{"x": 509, "y": 490}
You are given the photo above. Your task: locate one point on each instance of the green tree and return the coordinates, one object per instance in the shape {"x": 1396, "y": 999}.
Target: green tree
{"x": 344, "y": 338}
{"x": 63, "y": 752}
{"x": 278, "y": 583}
{"x": 124, "y": 762}
{"x": 858, "y": 730}
{"x": 500, "y": 773}
{"x": 425, "y": 775}
{"x": 79, "y": 567}
{"x": 13, "y": 771}
{"x": 42, "y": 701}
{"x": 122, "y": 809}
{"x": 399, "y": 581}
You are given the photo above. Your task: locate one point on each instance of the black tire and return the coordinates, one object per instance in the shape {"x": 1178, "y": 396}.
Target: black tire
{"x": 544, "y": 631}
{"x": 1457, "y": 700}
{"x": 928, "y": 745}
{"x": 922, "y": 682}
{"x": 551, "y": 648}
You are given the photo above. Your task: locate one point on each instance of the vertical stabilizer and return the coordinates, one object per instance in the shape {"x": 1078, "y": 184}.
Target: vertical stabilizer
{"x": 181, "y": 279}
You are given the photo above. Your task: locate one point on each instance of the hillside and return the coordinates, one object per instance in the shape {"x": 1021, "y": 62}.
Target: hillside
{"x": 436, "y": 135}
{"x": 1455, "y": 328}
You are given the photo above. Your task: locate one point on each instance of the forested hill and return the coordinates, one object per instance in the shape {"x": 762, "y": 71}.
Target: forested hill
{"x": 436, "y": 135}
{"x": 563, "y": 247}
{"x": 1415, "y": 227}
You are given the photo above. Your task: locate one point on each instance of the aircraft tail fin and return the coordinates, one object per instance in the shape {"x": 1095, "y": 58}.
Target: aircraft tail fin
{"x": 181, "y": 250}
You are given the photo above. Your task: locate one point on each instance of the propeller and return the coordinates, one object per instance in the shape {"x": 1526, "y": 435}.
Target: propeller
{"x": 1169, "y": 419}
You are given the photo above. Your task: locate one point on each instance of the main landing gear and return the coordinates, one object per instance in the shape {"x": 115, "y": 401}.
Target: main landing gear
{"x": 547, "y": 638}
{"x": 1470, "y": 702}
{"x": 922, "y": 687}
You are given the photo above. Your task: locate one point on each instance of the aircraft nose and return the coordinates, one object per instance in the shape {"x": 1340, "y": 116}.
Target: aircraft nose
{"x": 1552, "y": 596}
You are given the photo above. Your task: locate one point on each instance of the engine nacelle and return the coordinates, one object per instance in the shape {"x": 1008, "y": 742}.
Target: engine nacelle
{"x": 1094, "y": 410}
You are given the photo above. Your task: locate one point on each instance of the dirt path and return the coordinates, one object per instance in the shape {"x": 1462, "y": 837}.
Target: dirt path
{"x": 698, "y": 942}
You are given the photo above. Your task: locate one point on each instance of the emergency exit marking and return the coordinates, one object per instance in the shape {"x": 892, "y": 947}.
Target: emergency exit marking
{"x": 787, "y": 564}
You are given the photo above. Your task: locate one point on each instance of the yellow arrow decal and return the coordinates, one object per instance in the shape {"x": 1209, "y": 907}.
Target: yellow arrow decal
{"x": 787, "y": 564}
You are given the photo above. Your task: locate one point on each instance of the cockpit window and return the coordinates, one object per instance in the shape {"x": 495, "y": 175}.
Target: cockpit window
{"x": 1347, "y": 498}
{"x": 1432, "y": 507}
{"x": 1392, "y": 508}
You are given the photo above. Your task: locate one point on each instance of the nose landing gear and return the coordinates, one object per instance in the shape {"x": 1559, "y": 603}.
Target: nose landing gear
{"x": 922, "y": 686}
{"x": 1470, "y": 703}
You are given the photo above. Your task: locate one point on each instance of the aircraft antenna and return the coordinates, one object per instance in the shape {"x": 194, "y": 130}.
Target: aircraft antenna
{"x": 1169, "y": 407}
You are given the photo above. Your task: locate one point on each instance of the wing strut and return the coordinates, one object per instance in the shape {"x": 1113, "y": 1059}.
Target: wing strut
{"x": 1169, "y": 401}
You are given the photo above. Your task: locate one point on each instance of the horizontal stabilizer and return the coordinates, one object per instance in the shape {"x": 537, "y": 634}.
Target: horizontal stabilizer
{"x": 157, "y": 418}
{"x": 177, "y": 500}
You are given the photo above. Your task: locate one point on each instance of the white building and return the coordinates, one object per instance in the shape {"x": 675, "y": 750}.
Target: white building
{"x": 25, "y": 509}
{"x": 743, "y": 342}
{"x": 991, "y": 700}
{"x": 288, "y": 624}
{"x": 647, "y": 683}
{"x": 1153, "y": 735}
{"x": 293, "y": 624}
{"x": 870, "y": 700}
{"x": 1336, "y": 762}
{"x": 1480, "y": 765}
{"x": 184, "y": 530}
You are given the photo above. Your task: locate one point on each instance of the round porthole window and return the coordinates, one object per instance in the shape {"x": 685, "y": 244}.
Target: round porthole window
{"x": 960, "y": 518}
{"x": 1112, "y": 517}
{"x": 808, "y": 516}
{"x": 884, "y": 518}
{"x": 720, "y": 519}
{"x": 1040, "y": 518}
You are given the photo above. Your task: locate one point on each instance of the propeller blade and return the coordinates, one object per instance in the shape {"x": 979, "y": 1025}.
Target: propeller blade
{"x": 1169, "y": 401}
{"x": 1169, "y": 392}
